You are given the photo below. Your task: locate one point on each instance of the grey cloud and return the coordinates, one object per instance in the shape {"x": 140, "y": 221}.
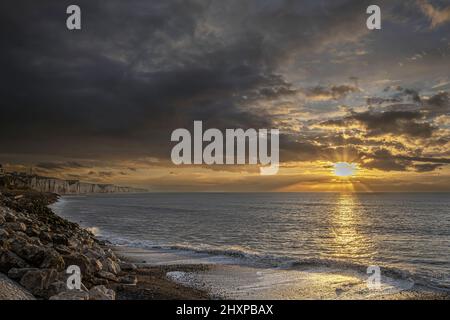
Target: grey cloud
{"x": 59, "y": 165}
{"x": 138, "y": 70}
{"x": 406, "y": 123}
{"x": 335, "y": 92}
{"x": 427, "y": 167}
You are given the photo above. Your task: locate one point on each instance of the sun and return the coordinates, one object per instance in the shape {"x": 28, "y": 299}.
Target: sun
{"x": 345, "y": 169}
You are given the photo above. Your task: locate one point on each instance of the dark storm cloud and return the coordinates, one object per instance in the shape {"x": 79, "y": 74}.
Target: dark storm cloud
{"x": 387, "y": 165}
{"x": 383, "y": 159}
{"x": 139, "y": 69}
{"x": 335, "y": 92}
{"x": 438, "y": 104}
{"x": 427, "y": 167}
{"x": 59, "y": 165}
{"x": 377, "y": 123}
{"x": 397, "y": 95}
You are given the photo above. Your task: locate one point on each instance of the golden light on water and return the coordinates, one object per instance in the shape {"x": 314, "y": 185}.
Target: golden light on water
{"x": 347, "y": 240}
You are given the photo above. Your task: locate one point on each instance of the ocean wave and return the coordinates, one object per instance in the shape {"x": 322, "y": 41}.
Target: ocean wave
{"x": 245, "y": 256}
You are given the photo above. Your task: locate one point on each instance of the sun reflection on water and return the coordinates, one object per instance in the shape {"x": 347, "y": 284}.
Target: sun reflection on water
{"x": 347, "y": 239}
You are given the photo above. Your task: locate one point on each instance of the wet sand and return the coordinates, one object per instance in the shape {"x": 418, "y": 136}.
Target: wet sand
{"x": 178, "y": 275}
{"x": 154, "y": 285}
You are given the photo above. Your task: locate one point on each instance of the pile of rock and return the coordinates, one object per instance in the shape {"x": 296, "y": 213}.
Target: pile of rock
{"x": 36, "y": 247}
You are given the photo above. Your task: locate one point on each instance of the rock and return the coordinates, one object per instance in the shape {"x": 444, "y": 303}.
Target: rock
{"x": 32, "y": 232}
{"x": 11, "y": 290}
{"x": 4, "y": 234}
{"x": 10, "y": 260}
{"x": 52, "y": 259}
{"x": 60, "y": 239}
{"x": 9, "y": 217}
{"x": 101, "y": 293}
{"x": 45, "y": 236}
{"x": 31, "y": 253}
{"x": 81, "y": 261}
{"x": 111, "y": 266}
{"x": 107, "y": 275}
{"x": 63, "y": 250}
{"x": 98, "y": 253}
{"x": 129, "y": 279}
{"x": 15, "y": 226}
{"x": 125, "y": 266}
{"x": 18, "y": 273}
{"x": 56, "y": 288}
{"x": 38, "y": 282}
{"x": 71, "y": 295}
{"x": 98, "y": 281}
{"x": 97, "y": 265}
{"x": 110, "y": 254}
{"x": 2, "y": 220}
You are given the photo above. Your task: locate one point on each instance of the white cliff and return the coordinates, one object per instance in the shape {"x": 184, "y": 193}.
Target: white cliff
{"x": 63, "y": 187}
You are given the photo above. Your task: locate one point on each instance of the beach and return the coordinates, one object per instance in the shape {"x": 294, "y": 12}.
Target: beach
{"x": 37, "y": 246}
{"x": 237, "y": 282}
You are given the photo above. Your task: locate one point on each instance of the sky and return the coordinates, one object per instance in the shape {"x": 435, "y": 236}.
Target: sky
{"x": 99, "y": 104}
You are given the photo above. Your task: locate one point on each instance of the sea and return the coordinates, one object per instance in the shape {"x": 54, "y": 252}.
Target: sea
{"x": 285, "y": 239}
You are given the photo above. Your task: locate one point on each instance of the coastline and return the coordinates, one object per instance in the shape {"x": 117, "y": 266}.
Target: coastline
{"x": 123, "y": 273}
{"x": 36, "y": 247}
{"x": 228, "y": 280}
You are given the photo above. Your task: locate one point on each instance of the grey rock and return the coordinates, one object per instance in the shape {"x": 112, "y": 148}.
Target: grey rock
{"x": 38, "y": 282}
{"x": 52, "y": 259}
{"x": 31, "y": 253}
{"x": 81, "y": 261}
{"x": 15, "y": 226}
{"x": 9, "y": 217}
{"x": 125, "y": 266}
{"x": 45, "y": 236}
{"x": 56, "y": 288}
{"x": 10, "y": 260}
{"x": 10, "y": 290}
{"x": 71, "y": 295}
{"x": 18, "y": 273}
{"x": 129, "y": 279}
{"x": 107, "y": 275}
{"x": 111, "y": 266}
{"x": 101, "y": 293}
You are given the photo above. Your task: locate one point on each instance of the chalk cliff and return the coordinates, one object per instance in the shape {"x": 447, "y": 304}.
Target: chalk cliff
{"x": 60, "y": 186}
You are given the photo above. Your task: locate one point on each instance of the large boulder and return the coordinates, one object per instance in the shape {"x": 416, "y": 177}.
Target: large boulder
{"x": 126, "y": 266}
{"x": 4, "y": 234}
{"x": 84, "y": 263}
{"x": 52, "y": 259}
{"x": 111, "y": 266}
{"x": 110, "y": 254}
{"x": 31, "y": 253}
{"x": 32, "y": 232}
{"x": 56, "y": 288}
{"x": 101, "y": 293}
{"x": 128, "y": 279}
{"x": 38, "y": 282}
{"x": 71, "y": 295}
{"x": 9, "y": 217}
{"x": 60, "y": 239}
{"x": 10, "y": 260}
{"x": 18, "y": 273}
{"x": 64, "y": 250}
{"x": 107, "y": 275}
{"x": 15, "y": 226}
{"x": 45, "y": 236}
